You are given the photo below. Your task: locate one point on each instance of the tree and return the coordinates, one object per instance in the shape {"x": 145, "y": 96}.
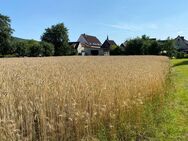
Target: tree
{"x": 142, "y": 46}
{"x": 154, "y": 48}
{"x": 115, "y": 50}
{"x": 134, "y": 47}
{"x": 34, "y": 49}
{"x": 47, "y": 49}
{"x": 5, "y": 34}
{"x": 20, "y": 48}
{"x": 169, "y": 48}
{"x": 58, "y": 36}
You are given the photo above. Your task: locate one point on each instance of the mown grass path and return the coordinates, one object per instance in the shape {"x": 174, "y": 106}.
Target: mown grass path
{"x": 179, "y": 105}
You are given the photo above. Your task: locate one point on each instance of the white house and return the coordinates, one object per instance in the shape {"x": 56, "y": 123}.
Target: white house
{"x": 89, "y": 45}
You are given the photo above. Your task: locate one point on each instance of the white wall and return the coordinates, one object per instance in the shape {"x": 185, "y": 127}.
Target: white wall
{"x": 87, "y": 51}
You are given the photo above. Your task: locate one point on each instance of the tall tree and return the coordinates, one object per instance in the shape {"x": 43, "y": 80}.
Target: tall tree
{"x": 134, "y": 47}
{"x": 58, "y": 36}
{"x": 169, "y": 47}
{"x": 5, "y": 34}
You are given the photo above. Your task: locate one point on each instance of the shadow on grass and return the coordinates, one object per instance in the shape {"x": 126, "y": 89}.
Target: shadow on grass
{"x": 181, "y": 63}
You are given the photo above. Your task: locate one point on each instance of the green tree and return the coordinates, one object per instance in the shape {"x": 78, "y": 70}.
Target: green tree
{"x": 134, "y": 47}
{"x": 169, "y": 47}
{"x": 47, "y": 49}
{"x": 5, "y": 35}
{"x": 142, "y": 46}
{"x": 34, "y": 49}
{"x": 154, "y": 48}
{"x": 115, "y": 50}
{"x": 20, "y": 48}
{"x": 58, "y": 36}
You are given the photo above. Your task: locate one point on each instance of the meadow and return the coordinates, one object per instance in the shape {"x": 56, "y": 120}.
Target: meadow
{"x": 82, "y": 98}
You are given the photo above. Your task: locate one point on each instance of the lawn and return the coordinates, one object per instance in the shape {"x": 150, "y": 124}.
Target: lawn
{"x": 179, "y": 105}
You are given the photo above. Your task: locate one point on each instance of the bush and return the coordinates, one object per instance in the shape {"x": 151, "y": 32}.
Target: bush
{"x": 20, "y": 48}
{"x": 47, "y": 49}
{"x": 116, "y": 51}
{"x": 180, "y": 55}
{"x": 34, "y": 49}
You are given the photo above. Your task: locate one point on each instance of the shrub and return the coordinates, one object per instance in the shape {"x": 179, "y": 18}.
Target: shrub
{"x": 47, "y": 49}
{"x": 20, "y": 48}
{"x": 179, "y": 55}
{"x": 34, "y": 49}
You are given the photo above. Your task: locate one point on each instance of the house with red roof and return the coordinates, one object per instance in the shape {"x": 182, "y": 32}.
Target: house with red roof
{"x": 89, "y": 45}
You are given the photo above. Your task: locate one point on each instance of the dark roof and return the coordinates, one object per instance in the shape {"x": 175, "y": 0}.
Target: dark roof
{"x": 181, "y": 38}
{"x": 92, "y": 40}
{"x": 111, "y": 42}
{"x": 108, "y": 43}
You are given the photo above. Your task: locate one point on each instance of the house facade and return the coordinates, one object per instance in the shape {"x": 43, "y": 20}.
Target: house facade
{"x": 89, "y": 45}
{"x": 181, "y": 44}
{"x": 107, "y": 46}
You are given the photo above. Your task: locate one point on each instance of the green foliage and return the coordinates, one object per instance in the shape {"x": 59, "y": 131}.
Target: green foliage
{"x": 153, "y": 48}
{"x": 168, "y": 47}
{"x": 58, "y": 36}
{"x": 134, "y": 47}
{"x": 20, "y": 48}
{"x": 177, "y": 128}
{"x": 47, "y": 49}
{"x": 115, "y": 50}
{"x": 147, "y": 46}
{"x": 5, "y": 35}
{"x": 34, "y": 49}
{"x": 179, "y": 55}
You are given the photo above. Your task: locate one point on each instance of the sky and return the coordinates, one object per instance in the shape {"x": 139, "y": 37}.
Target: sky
{"x": 119, "y": 19}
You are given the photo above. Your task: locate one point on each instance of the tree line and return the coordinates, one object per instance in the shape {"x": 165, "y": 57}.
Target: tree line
{"x": 55, "y": 42}
{"x": 147, "y": 46}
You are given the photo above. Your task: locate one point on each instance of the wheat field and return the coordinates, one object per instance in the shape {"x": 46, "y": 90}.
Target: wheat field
{"x": 80, "y": 98}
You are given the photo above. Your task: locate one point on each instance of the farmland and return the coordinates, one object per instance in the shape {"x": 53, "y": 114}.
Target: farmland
{"x": 82, "y": 98}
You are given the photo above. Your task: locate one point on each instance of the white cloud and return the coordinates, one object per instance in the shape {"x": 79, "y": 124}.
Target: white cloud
{"x": 133, "y": 27}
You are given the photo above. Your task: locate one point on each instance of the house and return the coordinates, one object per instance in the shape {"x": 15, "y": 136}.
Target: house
{"x": 107, "y": 46}
{"x": 89, "y": 45}
{"x": 181, "y": 44}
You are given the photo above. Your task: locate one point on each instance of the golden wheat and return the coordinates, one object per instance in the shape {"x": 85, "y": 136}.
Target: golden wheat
{"x": 77, "y": 98}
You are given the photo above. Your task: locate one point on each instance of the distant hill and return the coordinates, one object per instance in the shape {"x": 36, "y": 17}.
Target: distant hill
{"x": 21, "y": 39}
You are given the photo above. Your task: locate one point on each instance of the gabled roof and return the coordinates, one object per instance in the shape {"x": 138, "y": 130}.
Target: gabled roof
{"x": 185, "y": 42}
{"x": 108, "y": 43}
{"x": 111, "y": 42}
{"x": 92, "y": 40}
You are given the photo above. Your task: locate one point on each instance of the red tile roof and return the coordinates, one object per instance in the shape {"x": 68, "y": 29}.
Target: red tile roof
{"x": 92, "y": 40}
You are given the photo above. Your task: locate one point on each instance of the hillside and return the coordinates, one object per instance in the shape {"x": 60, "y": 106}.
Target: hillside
{"x": 21, "y": 39}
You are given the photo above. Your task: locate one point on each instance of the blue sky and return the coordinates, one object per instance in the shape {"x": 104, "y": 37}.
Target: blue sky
{"x": 120, "y": 19}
